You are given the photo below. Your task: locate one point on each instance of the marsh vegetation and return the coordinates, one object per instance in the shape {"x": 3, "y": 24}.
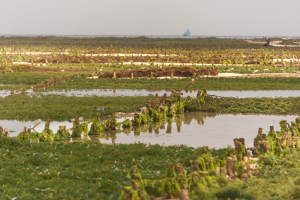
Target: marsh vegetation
{"x": 87, "y": 168}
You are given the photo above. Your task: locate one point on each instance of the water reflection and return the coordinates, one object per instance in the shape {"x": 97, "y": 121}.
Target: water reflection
{"x": 152, "y": 128}
{"x": 191, "y": 129}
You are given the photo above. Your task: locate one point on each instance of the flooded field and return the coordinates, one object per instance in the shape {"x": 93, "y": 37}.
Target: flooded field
{"x": 191, "y": 129}
{"x": 62, "y": 72}
{"x": 144, "y": 92}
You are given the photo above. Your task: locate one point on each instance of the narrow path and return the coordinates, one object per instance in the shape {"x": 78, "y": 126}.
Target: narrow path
{"x": 260, "y": 75}
{"x": 173, "y": 64}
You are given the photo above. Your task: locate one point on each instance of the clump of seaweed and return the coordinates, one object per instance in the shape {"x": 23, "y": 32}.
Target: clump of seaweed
{"x": 179, "y": 105}
{"x": 126, "y": 123}
{"x": 62, "y": 134}
{"x": 96, "y": 126}
{"x": 137, "y": 190}
{"x": 23, "y": 136}
{"x": 77, "y": 128}
{"x": 47, "y": 134}
{"x": 169, "y": 112}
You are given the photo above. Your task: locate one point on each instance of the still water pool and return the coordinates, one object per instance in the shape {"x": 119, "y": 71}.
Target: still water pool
{"x": 191, "y": 129}
{"x": 129, "y": 92}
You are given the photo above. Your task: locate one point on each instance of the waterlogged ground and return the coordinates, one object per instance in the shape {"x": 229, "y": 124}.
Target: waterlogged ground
{"x": 191, "y": 129}
{"x": 144, "y": 92}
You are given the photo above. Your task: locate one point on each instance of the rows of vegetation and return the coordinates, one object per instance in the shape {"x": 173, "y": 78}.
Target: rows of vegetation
{"x": 204, "y": 56}
{"x": 202, "y": 51}
{"x": 78, "y": 81}
{"x": 102, "y": 129}
{"x": 87, "y": 169}
{"x": 112, "y": 43}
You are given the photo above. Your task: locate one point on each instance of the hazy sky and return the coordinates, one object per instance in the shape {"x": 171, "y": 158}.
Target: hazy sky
{"x": 151, "y": 17}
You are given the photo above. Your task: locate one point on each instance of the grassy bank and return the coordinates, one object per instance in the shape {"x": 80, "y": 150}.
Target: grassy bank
{"x": 78, "y": 81}
{"x": 180, "y": 84}
{"x": 14, "y": 86}
{"x": 26, "y": 78}
{"x": 23, "y": 107}
{"x": 97, "y": 171}
{"x": 264, "y": 105}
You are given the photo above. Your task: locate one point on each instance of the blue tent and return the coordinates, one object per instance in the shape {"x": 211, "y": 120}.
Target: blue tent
{"x": 187, "y": 33}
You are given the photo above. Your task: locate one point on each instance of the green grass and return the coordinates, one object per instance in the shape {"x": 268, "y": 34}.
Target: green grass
{"x": 78, "y": 81}
{"x": 264, "y": 105}
{"x": 13, "y": 87}
{"x": 61, "y": 44}
{"x": 279, "y": 83}
{"x": 26, "y": 78}
{"x": 85, "y": 170}
{"x": 63, "y": 108}
{"x": 60, "y": 108}
{"x": 79, "y": 171}
{"x": 98, "y": 171}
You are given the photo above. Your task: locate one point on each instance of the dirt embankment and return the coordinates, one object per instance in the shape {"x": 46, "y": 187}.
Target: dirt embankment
{"x": 175, "y": 71}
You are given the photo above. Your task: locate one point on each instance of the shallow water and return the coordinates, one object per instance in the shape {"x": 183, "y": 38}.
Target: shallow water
{"x": 201, "y": 129}
{"x": 130, "y": 92}
{"x": 17, "y": 126}
{"x": 191, "y": 129}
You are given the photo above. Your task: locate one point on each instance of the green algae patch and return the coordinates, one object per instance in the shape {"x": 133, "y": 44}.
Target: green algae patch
{"x": 222, "y": 84}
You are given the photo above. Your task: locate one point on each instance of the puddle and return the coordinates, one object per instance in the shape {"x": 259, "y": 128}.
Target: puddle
{"x": 259, "y": 94}
{"x": 191, "y": 129}
{"x": 130, "y": 92}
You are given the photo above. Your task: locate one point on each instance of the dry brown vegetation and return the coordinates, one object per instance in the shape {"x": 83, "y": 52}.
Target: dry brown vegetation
{"x": 172, "y": 71}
